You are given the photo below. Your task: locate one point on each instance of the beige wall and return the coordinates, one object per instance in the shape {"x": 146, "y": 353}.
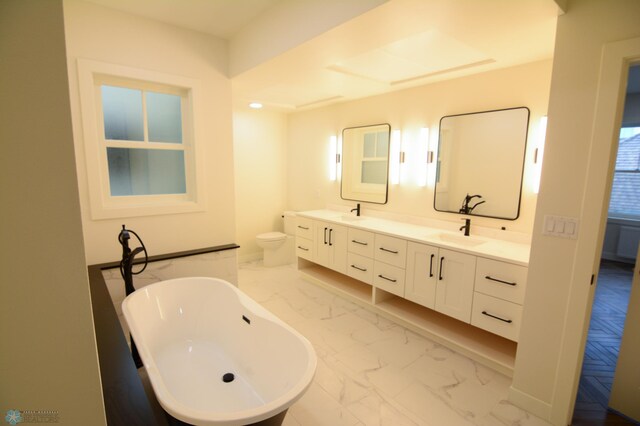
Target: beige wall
{"x": 557, "y": 304}
{"x": 103, "y": 34}
{"x": 409, "y": 110}
{"x": 259, "y": 145}
{"x": 48, "y": 359}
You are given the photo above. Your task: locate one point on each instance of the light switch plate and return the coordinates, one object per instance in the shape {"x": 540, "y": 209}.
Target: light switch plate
{"x": 560, "y": 226}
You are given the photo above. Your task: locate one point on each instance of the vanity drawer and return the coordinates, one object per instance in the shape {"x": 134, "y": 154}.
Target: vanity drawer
{"x": 361, "y": 242}
{"x": 360, "y": 268}
{"x": 304, "y": 248}
{"x": 496, "y": 316}
{"x": 304, "y": 227}
{"x": 389, "y": 278}
{"x": 503, "y": 280}
{"x": 391, "y": 250}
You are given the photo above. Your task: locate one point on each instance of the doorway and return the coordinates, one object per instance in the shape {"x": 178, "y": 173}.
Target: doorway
{"x": 616, "y": 272}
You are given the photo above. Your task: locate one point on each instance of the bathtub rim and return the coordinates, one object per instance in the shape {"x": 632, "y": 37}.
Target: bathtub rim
{"x": 190, "y": 415}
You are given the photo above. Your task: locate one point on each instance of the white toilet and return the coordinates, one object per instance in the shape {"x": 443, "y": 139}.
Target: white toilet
{"x": 279, "y": 248}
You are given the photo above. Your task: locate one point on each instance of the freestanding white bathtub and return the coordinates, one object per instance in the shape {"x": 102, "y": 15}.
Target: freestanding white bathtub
{"x": 214, "y": 356}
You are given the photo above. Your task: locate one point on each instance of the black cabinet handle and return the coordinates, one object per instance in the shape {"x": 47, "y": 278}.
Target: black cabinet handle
{"x": 359, "y": 242}
{"x": 359, "y": 268}
{"x": 388, "y": 251}
{"x": 303, "y": 227}
{"x": 325, "y": 235}
{"x": 440, "y": 271}
{"x": 500, "y": 281}
{"x": 302, "y": 248}
{"x": 496, "y": 317}
{"x": 388, "y": 279}
{"x": 431, "y": 266}
{"x": 330, "y": 231}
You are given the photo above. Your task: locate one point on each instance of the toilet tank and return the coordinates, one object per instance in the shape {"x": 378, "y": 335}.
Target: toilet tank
{"x": 290, "y": 223}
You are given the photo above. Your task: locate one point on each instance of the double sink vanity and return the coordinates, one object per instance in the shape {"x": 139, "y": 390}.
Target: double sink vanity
{"x": 465, "y": 292}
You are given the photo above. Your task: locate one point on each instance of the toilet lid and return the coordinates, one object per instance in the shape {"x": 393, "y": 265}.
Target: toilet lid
{"x": 271, "y": 236}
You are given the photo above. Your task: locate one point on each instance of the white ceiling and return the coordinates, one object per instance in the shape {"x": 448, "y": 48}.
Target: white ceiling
{"x": 386, "y": 47}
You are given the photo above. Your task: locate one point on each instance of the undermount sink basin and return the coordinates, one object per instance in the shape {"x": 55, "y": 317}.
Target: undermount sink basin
{"x": 460, "y": 239}
{"x": 351, "y": 218}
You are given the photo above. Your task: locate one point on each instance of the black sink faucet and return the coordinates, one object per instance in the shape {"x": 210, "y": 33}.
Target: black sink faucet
{"x": 466, "y": 209}
{"x": 357, "y": 209}
{"x": 466, "y": 227}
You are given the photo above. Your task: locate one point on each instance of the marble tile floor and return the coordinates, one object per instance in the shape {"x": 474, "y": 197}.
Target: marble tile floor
{"x": 372, "y": 371}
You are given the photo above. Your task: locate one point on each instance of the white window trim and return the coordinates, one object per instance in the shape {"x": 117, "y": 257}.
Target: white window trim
{"x": 103, "y": 205}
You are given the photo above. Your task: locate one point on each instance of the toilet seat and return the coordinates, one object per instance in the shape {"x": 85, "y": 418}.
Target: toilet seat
{"x": 271, "y": 236}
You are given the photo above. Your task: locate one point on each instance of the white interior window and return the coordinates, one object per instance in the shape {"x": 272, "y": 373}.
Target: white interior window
{"x": 140, "y": 144}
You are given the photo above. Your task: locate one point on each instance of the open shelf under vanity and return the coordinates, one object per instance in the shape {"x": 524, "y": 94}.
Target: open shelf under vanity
{"x": 486, "y": 348}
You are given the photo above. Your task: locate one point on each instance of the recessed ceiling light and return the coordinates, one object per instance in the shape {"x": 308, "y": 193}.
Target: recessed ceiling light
{"x": 255, "y": 105}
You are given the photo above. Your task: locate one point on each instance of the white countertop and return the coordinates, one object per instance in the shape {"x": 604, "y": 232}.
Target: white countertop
{"x": 483, "y": 246}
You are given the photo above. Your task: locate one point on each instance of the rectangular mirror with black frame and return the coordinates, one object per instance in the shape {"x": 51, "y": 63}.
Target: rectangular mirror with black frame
{"x": 481, "y": 162}
{"x": 365, "y": 163}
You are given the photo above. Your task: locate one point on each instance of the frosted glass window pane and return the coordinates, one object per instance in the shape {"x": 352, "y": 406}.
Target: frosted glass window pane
{"x": 374, "y": 172}
{"x": 122, "y": 110}
{"x": 146, "y": 171}
{"x": 369, "y": 147}
{"x": 382, "y": 144}
{"x": 164, "y": 117}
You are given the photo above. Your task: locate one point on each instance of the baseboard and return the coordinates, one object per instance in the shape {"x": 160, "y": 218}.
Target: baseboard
{"x": 249, "y": 257}
{"x": 531, "y": 404}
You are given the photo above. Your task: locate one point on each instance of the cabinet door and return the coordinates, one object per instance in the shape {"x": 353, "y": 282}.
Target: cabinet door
{"x": 337, "y": 236}
{"x": 454, "y": 291}
{"x": 422, "y": 274}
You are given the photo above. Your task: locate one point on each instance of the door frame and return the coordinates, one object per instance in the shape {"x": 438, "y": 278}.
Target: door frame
{"x": 616, "y": 59}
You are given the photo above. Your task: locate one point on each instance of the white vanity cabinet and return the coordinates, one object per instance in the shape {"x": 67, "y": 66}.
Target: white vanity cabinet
{"x": 498, "y": 297}
{"x": 331, "y": 246}
{"x": 304, "y": 238}
{"x": 466, "y": 298}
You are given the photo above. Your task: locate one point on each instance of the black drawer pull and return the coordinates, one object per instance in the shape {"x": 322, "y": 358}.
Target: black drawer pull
{"x": 498, "y": 318}
{"x": 330, "y": 231}
{"x": 388, "y": 251}
{"x": 302, "y": 248}
{"x": 359, "y": 242}
{"x": 440, "y": 271}
{"x": 500, "y": 281}
{"x": 388, "y": 279}
{"x": 325, "y": 235}
{"x": 359, "y": 268}
{"x": 303, "y": 227}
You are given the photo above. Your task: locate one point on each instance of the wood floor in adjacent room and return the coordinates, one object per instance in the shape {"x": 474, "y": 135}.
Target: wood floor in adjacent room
{"x": 603, "y": 342}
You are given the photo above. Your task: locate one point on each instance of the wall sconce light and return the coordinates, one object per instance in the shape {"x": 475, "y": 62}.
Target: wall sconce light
{"x": 432, "y": 156}
{"x": 425, "y": 156}
{"x": 334, "y": 158}
{"x": 538, "y": 153}
{"x": 339, "y": 158}
{"x": 395, "y": 157}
